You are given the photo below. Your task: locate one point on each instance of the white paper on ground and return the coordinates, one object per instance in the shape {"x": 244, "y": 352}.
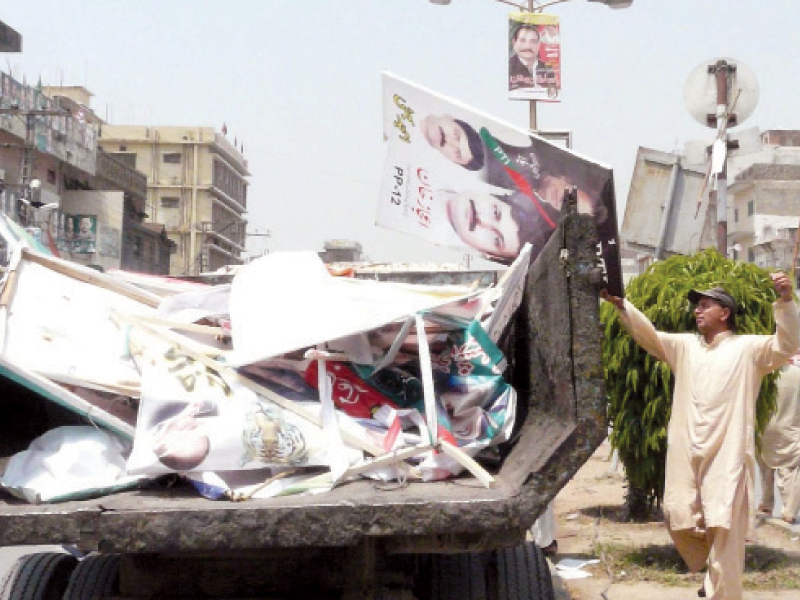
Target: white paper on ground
{"x": 576, "y": 563}
{"x": 573, "y": 573}
{"x": 572, "y": 568}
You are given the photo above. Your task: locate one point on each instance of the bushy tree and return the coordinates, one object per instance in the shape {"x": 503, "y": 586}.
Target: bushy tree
{"x": 639, "y": 387}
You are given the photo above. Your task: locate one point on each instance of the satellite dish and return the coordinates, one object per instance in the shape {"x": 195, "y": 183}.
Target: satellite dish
{"x": 700, "y": 92}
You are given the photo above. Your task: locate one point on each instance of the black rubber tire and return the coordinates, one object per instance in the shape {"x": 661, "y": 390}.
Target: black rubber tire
{"x": 40, "y": 576}
{"x": 458, "y": 576}
{"x": 96, "y": 576}
{"x": 523, "y": 574}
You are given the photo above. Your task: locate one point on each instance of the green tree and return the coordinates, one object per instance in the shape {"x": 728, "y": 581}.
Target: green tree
{"x": 639, "y": 387}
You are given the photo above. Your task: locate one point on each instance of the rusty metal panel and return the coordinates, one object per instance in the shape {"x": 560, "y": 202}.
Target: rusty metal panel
{"x": 648, "y": 201}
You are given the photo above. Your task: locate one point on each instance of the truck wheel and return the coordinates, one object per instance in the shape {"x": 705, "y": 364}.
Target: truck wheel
{"x": 39, "y": 576}
{"x": 95, "y": 577}
{"x": 523, "y": 574}
{"x": 459, "y": 576}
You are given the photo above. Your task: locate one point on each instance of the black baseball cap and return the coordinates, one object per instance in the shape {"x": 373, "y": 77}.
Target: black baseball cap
{"x": 717, "y": 294}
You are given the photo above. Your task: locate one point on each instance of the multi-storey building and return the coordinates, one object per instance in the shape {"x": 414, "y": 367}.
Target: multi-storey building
{"x": 196, "y": 188}
{"x": 763, "y": 215}
{"x": 80, "y": 203}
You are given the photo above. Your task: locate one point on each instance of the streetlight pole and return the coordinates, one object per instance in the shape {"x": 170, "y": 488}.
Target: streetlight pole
{"x": 532, "y": 6}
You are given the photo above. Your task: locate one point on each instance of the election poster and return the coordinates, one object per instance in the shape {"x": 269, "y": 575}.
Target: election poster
{"x": 534, "y": 57}
{"x": 462, "y": 179}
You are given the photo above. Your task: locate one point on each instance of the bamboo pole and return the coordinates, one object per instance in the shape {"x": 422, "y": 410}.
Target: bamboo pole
{"x": 92, "y": 277}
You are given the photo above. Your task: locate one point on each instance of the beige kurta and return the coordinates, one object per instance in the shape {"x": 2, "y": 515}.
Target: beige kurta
{"x": 780, "y": 447}
{"x": 711, "y": 434}
{"x": 780, "y": 443}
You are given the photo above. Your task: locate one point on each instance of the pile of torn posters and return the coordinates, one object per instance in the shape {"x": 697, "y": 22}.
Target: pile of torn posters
{"x": 285, "y": 380}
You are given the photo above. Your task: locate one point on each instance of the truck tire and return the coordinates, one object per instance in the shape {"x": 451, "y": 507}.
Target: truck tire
{"x": 523, "y": 574}
{"x": 459, "y": 576}
{"x": 95, "y": 577}
{"x": 39, "y": 576}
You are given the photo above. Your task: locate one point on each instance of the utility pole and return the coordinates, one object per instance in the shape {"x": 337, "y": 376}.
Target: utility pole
{"x": 722, "y": 71}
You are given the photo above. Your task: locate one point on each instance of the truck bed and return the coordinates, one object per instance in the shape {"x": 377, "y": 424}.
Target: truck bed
{"x": 555, "y": 363}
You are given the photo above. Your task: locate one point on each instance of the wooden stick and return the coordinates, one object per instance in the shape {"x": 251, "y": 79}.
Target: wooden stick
{"x": 395, "y": 456}
{"x": 132, "y": 390}
{"x": 180, "y": 326}
{"x": 92, "y": 277}
{"x": 468, "y": 463}
{"x": 235, "y": 497}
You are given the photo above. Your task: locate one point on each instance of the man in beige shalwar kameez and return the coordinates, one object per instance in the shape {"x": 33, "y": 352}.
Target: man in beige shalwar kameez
{"x": 710, "y": 471}
{"x": 779, "y": 460}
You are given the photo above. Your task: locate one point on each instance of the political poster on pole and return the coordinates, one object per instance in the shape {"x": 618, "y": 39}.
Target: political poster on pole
{"x": 462, "y": 179}
{"x": 534, "y": 57}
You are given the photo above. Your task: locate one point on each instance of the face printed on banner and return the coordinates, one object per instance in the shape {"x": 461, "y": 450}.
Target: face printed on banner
{"x": 484, "y": 222}
{"x": 526, "y": 44}
{"x": 181, "y": 443}
{"x": 447, "y": 136}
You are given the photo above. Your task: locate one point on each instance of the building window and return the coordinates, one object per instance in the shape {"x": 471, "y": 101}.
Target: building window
{"x": 751, "y": 255}
{"x": 173, "y": 158}
{"x": 123, "y": 148}
{"x": 736, "y": 215}
{"x": 51, "y": 176}
{"x": 751, "y": 208}
{"x": 170, "y": 201}
{"x": 127, "y": 158}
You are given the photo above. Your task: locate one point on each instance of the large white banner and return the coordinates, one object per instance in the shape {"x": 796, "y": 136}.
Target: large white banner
{"x": 462, "y": 179}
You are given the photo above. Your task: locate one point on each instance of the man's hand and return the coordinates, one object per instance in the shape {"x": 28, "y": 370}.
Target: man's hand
{"x": 615, "y": 300}
{"x": 782, "y": 285}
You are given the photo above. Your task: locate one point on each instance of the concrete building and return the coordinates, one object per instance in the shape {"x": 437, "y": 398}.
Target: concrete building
{"x": 341, "y": 251}
{"x": 82, "y": 204}
{"x": 56, "y": 179}
{"x": 763, "y": 216}
{"x": 763, "y": 201}
{"x": 196, "y": 188}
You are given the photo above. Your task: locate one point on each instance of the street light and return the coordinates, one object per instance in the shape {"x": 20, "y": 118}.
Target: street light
{"x": 536, "y": 6}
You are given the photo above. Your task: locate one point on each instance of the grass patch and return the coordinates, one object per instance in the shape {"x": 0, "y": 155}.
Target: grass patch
{"x": 765, "y": 568}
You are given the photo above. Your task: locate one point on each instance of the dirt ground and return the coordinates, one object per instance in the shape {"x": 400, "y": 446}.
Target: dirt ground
{"x": 589, "y": 514}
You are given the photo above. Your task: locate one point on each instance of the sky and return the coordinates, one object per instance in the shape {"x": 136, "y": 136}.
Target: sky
{"x": 298, "y": 83}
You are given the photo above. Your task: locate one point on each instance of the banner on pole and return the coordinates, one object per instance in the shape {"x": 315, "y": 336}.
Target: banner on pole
{"x": 534, "y": 57}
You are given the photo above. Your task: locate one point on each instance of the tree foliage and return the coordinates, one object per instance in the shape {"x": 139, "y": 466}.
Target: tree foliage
{"x": 639, "y": 387}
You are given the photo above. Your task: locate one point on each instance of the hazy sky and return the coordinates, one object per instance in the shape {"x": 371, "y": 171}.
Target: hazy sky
{"x": 299, "y": 83}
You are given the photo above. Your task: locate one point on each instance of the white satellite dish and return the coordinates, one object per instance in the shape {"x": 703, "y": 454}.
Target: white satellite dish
{"x": 700, "y": 92}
